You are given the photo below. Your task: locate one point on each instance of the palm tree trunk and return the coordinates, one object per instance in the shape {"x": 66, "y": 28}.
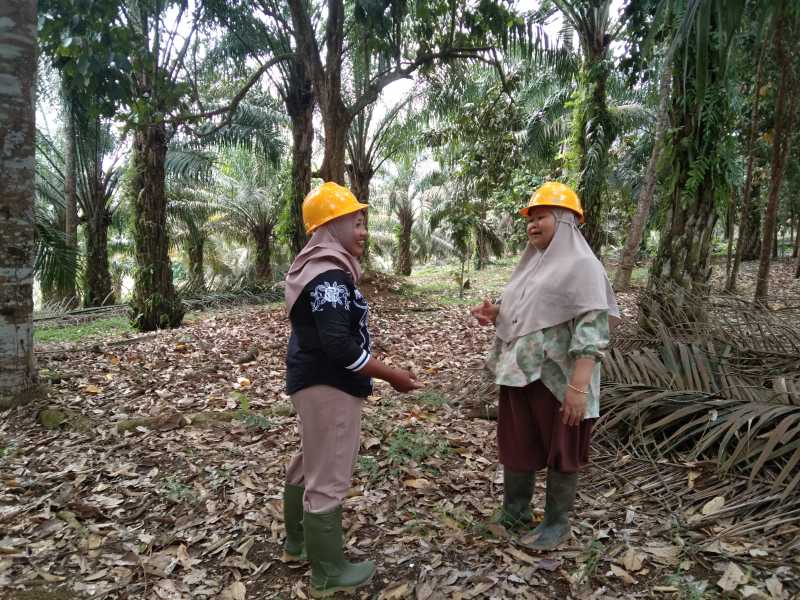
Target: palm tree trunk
{"x": 197, "y": 278}
{"x": 360, "y": 180}
{"x": 67, "y": 289}
{"x": 155, "y": 304}
{"x": 404, "y": 261}
{"x": 622, "y": 279}
{"x": 17, "y": 132}
{"x": 336, "y": 121}
{"x": 99, "y": 290}
{"x": 750, "y": 229}
{"x": 785, "y": 113}
{"x": 681, "y": 269}
{"x": 593, "y": 136}
{"x": 730, "y": 223}
{"x": 748, "y": 183}
{"x": 300, "y": 106}
{"x": 263, "y": 239}
{"x": 775, "y": 249}
{"x": 481, "y": 250}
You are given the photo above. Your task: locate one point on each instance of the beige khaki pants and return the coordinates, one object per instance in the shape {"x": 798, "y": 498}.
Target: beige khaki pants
{"x": 330, "y": 432}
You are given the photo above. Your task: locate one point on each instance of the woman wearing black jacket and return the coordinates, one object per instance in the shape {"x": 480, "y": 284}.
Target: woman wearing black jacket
{"x": 329, "y": 372}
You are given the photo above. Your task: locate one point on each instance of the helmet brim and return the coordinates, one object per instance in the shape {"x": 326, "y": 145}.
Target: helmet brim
{"x": 357, "y": 208}
{"x": 525, "y": 212}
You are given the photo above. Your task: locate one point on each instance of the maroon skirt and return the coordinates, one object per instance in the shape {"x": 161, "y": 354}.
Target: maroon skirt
{"x": 531, "y": 434}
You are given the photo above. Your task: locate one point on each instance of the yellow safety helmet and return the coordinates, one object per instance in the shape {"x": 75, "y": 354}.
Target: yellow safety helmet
{"x": 327, "y": 202}
{"x": 553, "y": 193}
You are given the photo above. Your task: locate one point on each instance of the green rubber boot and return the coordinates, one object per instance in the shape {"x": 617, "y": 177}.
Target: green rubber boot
{"x": 517, "y": 493}
{"x": 294, "y": 547}
{"x": 331, "y": 572}
{"x": 554, "y": 529}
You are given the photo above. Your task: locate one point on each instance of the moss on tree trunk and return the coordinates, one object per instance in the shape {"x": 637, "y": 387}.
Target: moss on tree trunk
{"x": 155, "y": 304}
{"x": 99, "y": 290}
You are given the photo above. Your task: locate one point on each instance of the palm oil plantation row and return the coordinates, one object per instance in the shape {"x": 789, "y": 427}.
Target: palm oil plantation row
{"x": 156, "y": 153}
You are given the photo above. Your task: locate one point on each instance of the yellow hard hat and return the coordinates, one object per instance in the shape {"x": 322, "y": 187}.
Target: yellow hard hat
{"x": 553, "y": 193}
{"x": 327, "y": 202}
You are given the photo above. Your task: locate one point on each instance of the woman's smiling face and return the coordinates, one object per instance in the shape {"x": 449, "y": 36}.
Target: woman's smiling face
{"x": 360, "y": 235}
{"x": 541, "y": 227}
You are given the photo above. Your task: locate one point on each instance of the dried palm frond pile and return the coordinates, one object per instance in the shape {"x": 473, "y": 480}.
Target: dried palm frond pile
{"x": 724, "y": 392}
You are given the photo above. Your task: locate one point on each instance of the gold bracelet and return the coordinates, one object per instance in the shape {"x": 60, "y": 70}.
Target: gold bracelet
{"x": 573, "y": 388}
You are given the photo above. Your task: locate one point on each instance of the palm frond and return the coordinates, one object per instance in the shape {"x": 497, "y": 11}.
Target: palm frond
{"x": 725, "y": 390}
{"x": 189, "y": 163}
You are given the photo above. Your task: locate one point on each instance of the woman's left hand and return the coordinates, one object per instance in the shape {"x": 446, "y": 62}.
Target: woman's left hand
{"x": 574, "y": 408}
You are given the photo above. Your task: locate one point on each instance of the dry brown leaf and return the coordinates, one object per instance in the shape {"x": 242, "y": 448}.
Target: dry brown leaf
{"x": 750, "y": 591}
{"x": 666, "y": 553}
{"x": 248, "y": 482}
{"x": 520, "y": 555}
{"x": 48, "y": 577}
{"x": 395, "y": 591}
{"x": 632, "y": 560}
{"x": 622, "y": 574}
{"x": 775, "y": 588}
{"x": 419, "y": 484}
{"x": 96, "y": 575}
{"x": 714, "y": 505}
{"x": 732, "y": 578}
{"x": 235, "y": 591}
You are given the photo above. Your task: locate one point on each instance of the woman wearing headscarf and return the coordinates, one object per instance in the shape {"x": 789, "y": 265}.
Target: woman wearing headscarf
{"x": 552, "y": 326}
{"x": 328, "y": 375}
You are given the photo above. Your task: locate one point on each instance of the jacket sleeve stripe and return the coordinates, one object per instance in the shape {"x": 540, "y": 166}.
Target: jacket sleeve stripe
{"x": 360, "y": 362}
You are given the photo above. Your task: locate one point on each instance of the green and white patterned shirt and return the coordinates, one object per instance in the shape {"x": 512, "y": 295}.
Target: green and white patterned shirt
{"x": 550, "y": 355}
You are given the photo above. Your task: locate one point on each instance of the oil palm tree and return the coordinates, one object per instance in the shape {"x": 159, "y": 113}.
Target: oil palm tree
{"x": 97, "y": 174}
{"x": 251, "y": 193}
{"x": 698, "y": 149}
{"x": 593, "y": 128}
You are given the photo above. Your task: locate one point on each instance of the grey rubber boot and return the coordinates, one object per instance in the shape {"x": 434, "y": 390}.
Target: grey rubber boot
{"x": 517, "y": 494}
{"x": 331, "y": 572}
{"x": 554, "y": 529}
{"x": 294, "y": 546}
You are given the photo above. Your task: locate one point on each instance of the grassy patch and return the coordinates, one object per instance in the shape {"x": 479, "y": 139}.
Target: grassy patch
{"x": 689, "y": 588}
{"x": 431, "y": 399}
{"x": 368, "y": 468}
{"x": 440, "y": 282}
{"x": 178, "y": 492}
{"x": 406, "y": 446}
{"x": 251, "y": 419}
{"x": 75, "y": 333}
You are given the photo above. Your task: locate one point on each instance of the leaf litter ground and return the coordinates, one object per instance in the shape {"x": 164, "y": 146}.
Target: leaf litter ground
{"x": 177, "y": 505}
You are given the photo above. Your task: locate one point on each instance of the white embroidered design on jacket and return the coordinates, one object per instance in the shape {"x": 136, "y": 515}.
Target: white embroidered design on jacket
{"x": 332, "y": 293}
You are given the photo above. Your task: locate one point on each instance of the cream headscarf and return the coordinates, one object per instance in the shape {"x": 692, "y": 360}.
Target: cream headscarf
{"x": 325, "y": 250}
{"x": 556, "y": 285}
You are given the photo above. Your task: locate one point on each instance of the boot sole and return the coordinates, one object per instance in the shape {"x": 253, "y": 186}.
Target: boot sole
{"x": 315, "y": 593}
{"x": 532, "y": 545}
{"x": 293, "y": 558}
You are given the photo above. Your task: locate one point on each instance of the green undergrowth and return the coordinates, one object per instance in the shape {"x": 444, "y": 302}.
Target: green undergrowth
{"x": 74, "y": 333}
{"x": 439, "y": 283}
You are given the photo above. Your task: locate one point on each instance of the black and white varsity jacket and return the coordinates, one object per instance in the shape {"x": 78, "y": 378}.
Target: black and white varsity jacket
{"x": 329, "y": 343}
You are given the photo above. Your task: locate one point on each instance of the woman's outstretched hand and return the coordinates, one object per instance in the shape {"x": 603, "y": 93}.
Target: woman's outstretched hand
{"x": 486, "y": 313}
{"x": 404, "y": 381}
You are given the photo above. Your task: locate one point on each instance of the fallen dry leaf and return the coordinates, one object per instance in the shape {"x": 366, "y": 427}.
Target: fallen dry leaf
{"x": 622, "y": 574}
{"x": 235, "y": 591}
{"x": 714, "y": 505}
{"x": 632, "y": 560}
{"x": 732, "y": 578}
